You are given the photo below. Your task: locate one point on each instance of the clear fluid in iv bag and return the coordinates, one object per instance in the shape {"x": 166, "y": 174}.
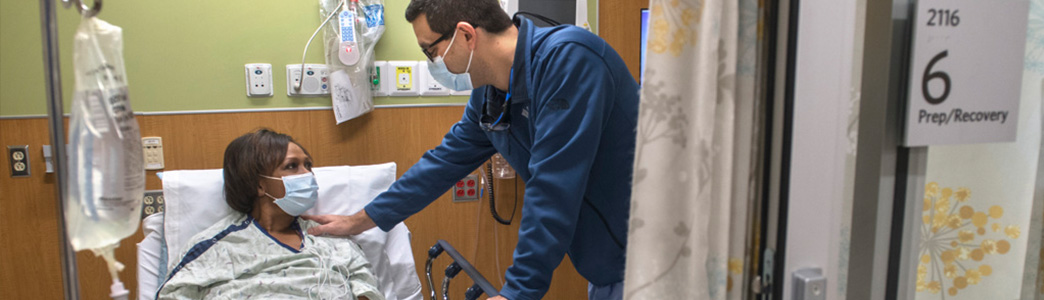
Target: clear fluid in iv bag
{"x": 501, "y": 168}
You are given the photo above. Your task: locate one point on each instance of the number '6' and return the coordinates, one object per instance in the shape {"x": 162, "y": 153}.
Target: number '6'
{"x": 929, "y": 75}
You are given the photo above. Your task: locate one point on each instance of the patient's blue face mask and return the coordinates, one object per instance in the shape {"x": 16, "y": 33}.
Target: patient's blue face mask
{"x": 301, "y": 193}
{"x": 442, "y": 74}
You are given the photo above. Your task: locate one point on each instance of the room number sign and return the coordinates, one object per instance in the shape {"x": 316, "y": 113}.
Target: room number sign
{"x": 966, "y": 67}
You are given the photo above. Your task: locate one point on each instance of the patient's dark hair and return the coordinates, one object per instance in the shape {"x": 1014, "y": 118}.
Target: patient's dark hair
{"x": 443, "y": 15}
{"x": 246, "y": 158}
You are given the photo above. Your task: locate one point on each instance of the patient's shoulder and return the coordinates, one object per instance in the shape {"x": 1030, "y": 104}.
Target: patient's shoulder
{"x": 229, "y": 223}
{"x": 210, "y": 237}
{"x": 233, "y": 219}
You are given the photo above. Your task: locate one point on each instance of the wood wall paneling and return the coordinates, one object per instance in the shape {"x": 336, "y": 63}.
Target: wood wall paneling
{"x": 30, "y": 264}
{"x": 620, "y": 25}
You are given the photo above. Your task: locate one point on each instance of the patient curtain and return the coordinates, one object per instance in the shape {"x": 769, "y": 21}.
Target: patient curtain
{"x": 695, "y": 167}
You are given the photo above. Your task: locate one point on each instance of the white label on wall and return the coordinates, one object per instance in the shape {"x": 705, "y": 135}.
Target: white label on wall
{"x": 966, "y": 71}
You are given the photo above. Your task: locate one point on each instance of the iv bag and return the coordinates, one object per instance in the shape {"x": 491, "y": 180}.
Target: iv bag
{"x": 501, "y": 168}
{"x": 106, "y": 178}
{"x": 349, "y": 44}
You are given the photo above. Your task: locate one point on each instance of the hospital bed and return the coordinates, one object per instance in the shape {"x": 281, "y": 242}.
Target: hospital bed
{"x": 193, "y": 201}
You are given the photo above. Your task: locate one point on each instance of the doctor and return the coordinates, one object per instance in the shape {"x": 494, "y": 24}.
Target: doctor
{"x": 560, "y": 105}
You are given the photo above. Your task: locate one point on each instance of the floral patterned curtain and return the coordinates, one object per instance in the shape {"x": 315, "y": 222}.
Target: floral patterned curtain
{"x": 695, "y": 166}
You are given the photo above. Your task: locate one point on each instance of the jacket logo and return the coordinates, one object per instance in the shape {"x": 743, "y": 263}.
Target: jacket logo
{"x": 558, "y": 104}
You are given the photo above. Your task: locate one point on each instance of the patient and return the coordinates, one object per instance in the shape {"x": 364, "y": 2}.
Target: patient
{"x": 261, "y": 250}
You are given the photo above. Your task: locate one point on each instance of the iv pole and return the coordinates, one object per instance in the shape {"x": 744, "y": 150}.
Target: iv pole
{"x": 55, "y": 120}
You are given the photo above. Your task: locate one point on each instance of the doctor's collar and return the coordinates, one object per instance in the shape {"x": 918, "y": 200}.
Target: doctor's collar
{"x": 517, "y": 19}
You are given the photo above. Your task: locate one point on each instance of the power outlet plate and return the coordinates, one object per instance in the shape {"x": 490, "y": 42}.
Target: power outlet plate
{"x": 19, "y": 158}
{"x": 466, "y": 189}
{"x": 152, "y": 203}
{"x": 315, "y": 80}
{"x": 153, "y": 148}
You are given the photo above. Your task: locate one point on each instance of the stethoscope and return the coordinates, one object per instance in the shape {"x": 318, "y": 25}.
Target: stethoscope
{"x": 506, "y": 105}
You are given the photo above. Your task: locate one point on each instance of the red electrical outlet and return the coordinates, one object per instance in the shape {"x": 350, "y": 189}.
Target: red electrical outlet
{"x": 466, "y": 189}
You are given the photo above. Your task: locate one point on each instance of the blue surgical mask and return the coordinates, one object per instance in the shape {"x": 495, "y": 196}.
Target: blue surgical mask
{"x": 301, "y": 193}
{"x": 442, "y": 74}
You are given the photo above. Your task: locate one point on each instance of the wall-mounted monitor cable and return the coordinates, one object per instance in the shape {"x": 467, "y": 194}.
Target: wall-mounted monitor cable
{"x": 297, "y": 85}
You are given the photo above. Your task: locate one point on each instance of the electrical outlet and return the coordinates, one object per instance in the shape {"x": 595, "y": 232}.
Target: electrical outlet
{"x": 259, "y": 80}
{"x": 314, "y": 80}
{"x": 466, "y": 189}
{"x": 152, "y": 203}
{"x": 19, "y": 158}
{"x": 153, "y": 148}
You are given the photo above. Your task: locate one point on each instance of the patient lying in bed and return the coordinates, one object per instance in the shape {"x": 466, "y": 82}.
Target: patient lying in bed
{"x": 261, "y": 250}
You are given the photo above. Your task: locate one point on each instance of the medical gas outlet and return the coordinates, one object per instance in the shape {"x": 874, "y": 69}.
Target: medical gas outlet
{"x": 311, "y": 80}
{"x": 377, "y": 78}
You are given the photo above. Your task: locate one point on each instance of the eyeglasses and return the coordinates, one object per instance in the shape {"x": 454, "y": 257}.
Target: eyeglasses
{"x": 428, "y": 50}
{"x": 502, "y": 121}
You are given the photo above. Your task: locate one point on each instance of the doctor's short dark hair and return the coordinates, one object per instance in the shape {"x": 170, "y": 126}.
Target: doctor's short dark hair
{"x": 443, "y": 15}
{"x": 247, "y": 158}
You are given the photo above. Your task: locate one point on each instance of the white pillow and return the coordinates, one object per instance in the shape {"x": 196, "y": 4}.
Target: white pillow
{"x": 150, "y": 251}
{"x": 195, "y": 200}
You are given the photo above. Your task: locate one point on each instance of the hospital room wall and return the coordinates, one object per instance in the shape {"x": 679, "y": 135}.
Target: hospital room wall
{"x": 189, "y": 57}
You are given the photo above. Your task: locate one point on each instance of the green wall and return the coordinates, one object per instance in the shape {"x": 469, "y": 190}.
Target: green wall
{"x": 189, "y": 55}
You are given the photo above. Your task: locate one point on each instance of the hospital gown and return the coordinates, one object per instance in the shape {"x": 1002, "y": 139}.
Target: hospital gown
{"x": 237, "y": 259}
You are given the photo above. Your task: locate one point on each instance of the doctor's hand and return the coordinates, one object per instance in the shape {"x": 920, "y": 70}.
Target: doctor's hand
{"x": 497, "y": 298}
{"x": 337, "y": 225}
